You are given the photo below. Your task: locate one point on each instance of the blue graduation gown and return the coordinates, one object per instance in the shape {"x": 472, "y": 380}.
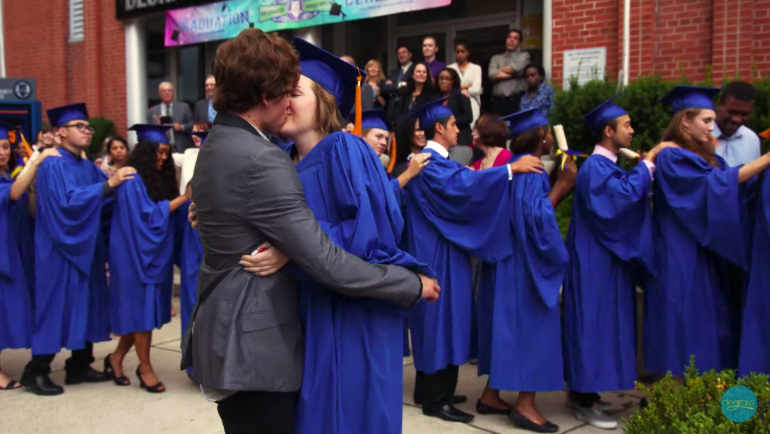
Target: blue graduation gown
{"x": 16, "y": 317}
{"x": 453, "y": 212}
{"x": 399, "y": 193}
{"x": 189, "y": 254}
{"x": 71, "y": 293}
{"x": 353, "y": 378}
{"x": 141, "y": 245}
{"x": 755, "y": 331}
{"x": 697, "y": 234}
{"x": 518, "y": 300}
{"x": 610, "y": 229}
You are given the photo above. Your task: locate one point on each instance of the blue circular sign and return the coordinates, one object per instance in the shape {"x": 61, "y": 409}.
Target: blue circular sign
{"x": 22, "y": 89}
{"x": 739, "y": 403}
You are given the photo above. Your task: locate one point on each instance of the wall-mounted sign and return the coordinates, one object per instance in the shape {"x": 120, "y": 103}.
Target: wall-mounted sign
{"x": 224, "y": 20}
{"x": 585, "y": 64}
{"x": 18, "y": 89}
{"x": 133, "y": 8}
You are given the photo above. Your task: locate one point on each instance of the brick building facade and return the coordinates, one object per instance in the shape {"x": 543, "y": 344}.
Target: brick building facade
{"x": 668, "y": 37}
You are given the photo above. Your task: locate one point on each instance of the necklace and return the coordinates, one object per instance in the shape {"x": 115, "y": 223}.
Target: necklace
{"x": 489, "y": 160}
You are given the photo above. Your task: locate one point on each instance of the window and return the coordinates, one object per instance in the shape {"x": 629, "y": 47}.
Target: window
{"x": 76, "y": 21}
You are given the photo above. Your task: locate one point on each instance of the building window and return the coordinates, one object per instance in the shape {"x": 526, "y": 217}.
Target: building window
{"x": 76, "y": 21}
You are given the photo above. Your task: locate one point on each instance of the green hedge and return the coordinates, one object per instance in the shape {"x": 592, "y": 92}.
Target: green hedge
{"x": 103, "y": 128}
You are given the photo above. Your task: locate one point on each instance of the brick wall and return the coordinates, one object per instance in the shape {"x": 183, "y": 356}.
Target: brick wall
{"x": 668, "y": 37}
{"x": 91, "y": 71}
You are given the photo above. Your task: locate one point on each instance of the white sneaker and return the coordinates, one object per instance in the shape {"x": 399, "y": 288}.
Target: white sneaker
{"x": 595, "y": 417}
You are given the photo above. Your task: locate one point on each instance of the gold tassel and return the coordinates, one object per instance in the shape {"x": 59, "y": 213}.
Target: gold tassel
{"x": 357, "y": 125}
{"x": 27, "y": 148}
{"x": 392, "y": 163}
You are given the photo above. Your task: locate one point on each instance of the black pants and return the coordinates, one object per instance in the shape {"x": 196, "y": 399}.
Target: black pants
{"x": 506, "y": 106}
{"x": 259, "y": 412}
{"x": 436, "y": 390}
{"x": 586, "y": 400}
{"x": 41, "y": 364}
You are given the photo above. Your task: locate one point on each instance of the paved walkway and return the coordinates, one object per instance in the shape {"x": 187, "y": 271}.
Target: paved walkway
{"x": 106, "y": 408}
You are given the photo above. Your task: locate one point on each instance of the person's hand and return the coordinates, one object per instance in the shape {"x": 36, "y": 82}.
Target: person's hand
{"x": 50, "y": 152}
{"x": 123, "y": 174}
{"x": 388, "y": 82}
{"x": 266, "y": 260}
{"x": 568, "y": 175}
{"x": 430, "y": 288}
{"x": 98, "y": 162}
{"x": 466, "y": 93}
{"x": 191, "y": 216}
{"x": 188, "y": 192}
{"x": 156, "y": 119}
{"x": 650, "y": 156}
{"x": 416, "y": 164}
{"x": 527, "y": 164}
{"x": 376, "y": 90}
{"x": 177, "y": 127}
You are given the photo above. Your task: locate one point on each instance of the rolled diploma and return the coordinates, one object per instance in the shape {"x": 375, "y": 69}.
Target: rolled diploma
{"x": 561, "y": 139}
{"x": 629, "y": 153}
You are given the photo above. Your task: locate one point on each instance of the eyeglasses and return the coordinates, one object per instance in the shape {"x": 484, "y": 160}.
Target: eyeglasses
{"x": 83, "y": 128}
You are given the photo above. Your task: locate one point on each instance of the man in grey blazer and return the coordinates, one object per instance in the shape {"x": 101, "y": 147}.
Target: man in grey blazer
{"x": 204, "y": 109}
{"x": 245, "y": 341}
{"x": 180, "y": 114}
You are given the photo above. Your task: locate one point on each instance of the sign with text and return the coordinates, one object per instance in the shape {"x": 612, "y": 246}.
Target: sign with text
{"x": 224, "y": 20}
{"x": 584, "y": 64}
{"x": 18, "y": 89}
{"x": 134, "y": 8}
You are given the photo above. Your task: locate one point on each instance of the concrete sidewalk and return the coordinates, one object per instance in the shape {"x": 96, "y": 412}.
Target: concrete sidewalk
{"x": 106, "y": 408}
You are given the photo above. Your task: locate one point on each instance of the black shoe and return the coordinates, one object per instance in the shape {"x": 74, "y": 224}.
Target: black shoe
{"x": 450, "y": 413}
{"x": 457, "y": 399}
{"x": 482, "y": 408}
{"x": 522, "y": 422}
{"x": 84, "y": 375}
{"x": 41, "y": 385}
{"x": 157, "y": 388}
{"x": 110, "y": 373}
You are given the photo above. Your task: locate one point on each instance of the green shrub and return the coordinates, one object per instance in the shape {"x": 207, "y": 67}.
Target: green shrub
{"x": 103, "y": 128}
{"x": 695, "y": 406}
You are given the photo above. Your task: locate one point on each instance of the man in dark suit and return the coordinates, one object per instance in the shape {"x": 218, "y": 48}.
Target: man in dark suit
{"x": 245, "y": 342}
{"x": 204, "y": 109}
{"x": 179, "y": 112}
{"x": 398, "y": 77}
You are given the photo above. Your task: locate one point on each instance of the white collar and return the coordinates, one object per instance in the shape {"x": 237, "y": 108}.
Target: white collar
{"x": 438, "y": 148}
{"x": 407, "y": 66}
{"x": 259, "y": 132}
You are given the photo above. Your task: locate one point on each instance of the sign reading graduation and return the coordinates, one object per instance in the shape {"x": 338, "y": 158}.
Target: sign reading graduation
{"x": 224, "y": 20}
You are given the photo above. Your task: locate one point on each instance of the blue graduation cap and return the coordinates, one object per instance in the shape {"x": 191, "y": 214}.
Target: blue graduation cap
{"x": 5, "y": 130}
{"x": 604, "y": 114}
{"x": 153, "y": 133}
{"x": 200, "y": 134}
{"x": 73, "y": 112}
{"x": 432, "y": 112}
{"x": 524, "y": 121}
{"x": 691, "y": 97}
{"x": 375, "y": 118}
{"x": 335, "y": 75}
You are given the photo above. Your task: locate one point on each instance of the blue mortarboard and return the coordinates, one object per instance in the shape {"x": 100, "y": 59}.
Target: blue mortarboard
{"x": 61, "y": 115}
{"x": 335, "y": 75}
{"x": 691, "y": 97}
{"x": 605, "y": 113}
{"x": 432, "y": 112}
{"x": 5, "y": 130}
{"x": 153, "y": 133}
{"x": 375, "y": 118}
{"x": 524, "y": 121}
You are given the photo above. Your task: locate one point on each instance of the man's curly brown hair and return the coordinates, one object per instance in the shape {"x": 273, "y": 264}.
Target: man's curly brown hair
{"x": 251, "y": 66}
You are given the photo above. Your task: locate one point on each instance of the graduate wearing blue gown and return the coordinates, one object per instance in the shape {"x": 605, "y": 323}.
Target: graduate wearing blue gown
{"x": 141, "y": 249}
{"x": 519, "y": 319}
{"x": 697, "y": 225}
{"x": 353, "y": 371}
{"x": 610, "y": 237}
{"x": 452, "y": 212}
{"x": 71, "y": 294}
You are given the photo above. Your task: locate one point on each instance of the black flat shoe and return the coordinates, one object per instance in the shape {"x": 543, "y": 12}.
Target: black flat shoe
{"x": 450, "y": 413}
{"x": 158, "y": 388}
{"x": 482, "y": 408}
{"x": 110, "y": 373}
{"x": 84, "y": 375}
{"x": 520, "y": 421}
{"x": 12, "y": 385}
{"x": 457, "y": 399}
{"x": 41, "y": 385}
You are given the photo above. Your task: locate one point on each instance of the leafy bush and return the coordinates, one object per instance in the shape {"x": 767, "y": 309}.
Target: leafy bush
{"x": 103, "y": 128}
{"x": 695, "y": 406}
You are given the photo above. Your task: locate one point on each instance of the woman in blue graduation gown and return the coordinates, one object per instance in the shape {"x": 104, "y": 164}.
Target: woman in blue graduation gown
{"x": 353, "y": 376}
{"x": 519, "y": 320}
{"x": 140, "y": 257}
{"x": 698, "y": 220}
{"x": 16, "y": 313}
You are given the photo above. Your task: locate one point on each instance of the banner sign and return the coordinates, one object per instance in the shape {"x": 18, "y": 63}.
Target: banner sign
{"x": 224, "y": 20}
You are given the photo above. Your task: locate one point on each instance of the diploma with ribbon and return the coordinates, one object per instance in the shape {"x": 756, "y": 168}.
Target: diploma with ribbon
{"x": 629, "y": 154}
{"x": 564, "y": 151}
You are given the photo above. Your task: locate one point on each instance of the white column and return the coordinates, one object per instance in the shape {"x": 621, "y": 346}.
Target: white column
{"x": 547, "y": 37}
{"x": 627, "y": 40}
{"x": 310, "y": 34}
{"x": 136, "y": 75}
{"x": 2, "y": 42}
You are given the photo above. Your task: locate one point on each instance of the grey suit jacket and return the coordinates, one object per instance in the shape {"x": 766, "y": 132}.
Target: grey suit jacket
{"x": 246, "y": 335}
{"x": 180, "y": 114}
{"x": 202, "y": 110}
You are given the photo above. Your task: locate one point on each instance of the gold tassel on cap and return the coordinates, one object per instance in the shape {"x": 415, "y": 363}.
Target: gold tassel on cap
{"x": 392, "y": 155}
{"x": 357, "y": 125}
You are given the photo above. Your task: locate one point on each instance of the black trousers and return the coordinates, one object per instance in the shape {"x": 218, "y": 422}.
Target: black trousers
{"x": 506, "y": 106}
{"x": 586, "y": 400}
{"x": 436, "y": 390}
{"x": 41, "y": 364}
{"x": 259, "y": 412}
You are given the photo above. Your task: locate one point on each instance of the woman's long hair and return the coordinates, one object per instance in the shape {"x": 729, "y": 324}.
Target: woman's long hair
{"x": 161, "y": 184}
{"x": 404, "y": 134}
{"x": 428, "y": 89}
{"x": 678, "y": 133}
{"x": 381, "y": 77}
{"x": 529, "y": 141}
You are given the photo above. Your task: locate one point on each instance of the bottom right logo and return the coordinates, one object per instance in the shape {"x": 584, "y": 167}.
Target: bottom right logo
{"x": 739, "y": 404}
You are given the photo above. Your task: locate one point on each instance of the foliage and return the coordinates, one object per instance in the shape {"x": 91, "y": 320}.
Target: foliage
{"x": 103, "y": 128}
{"x": 695, "y": 406}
